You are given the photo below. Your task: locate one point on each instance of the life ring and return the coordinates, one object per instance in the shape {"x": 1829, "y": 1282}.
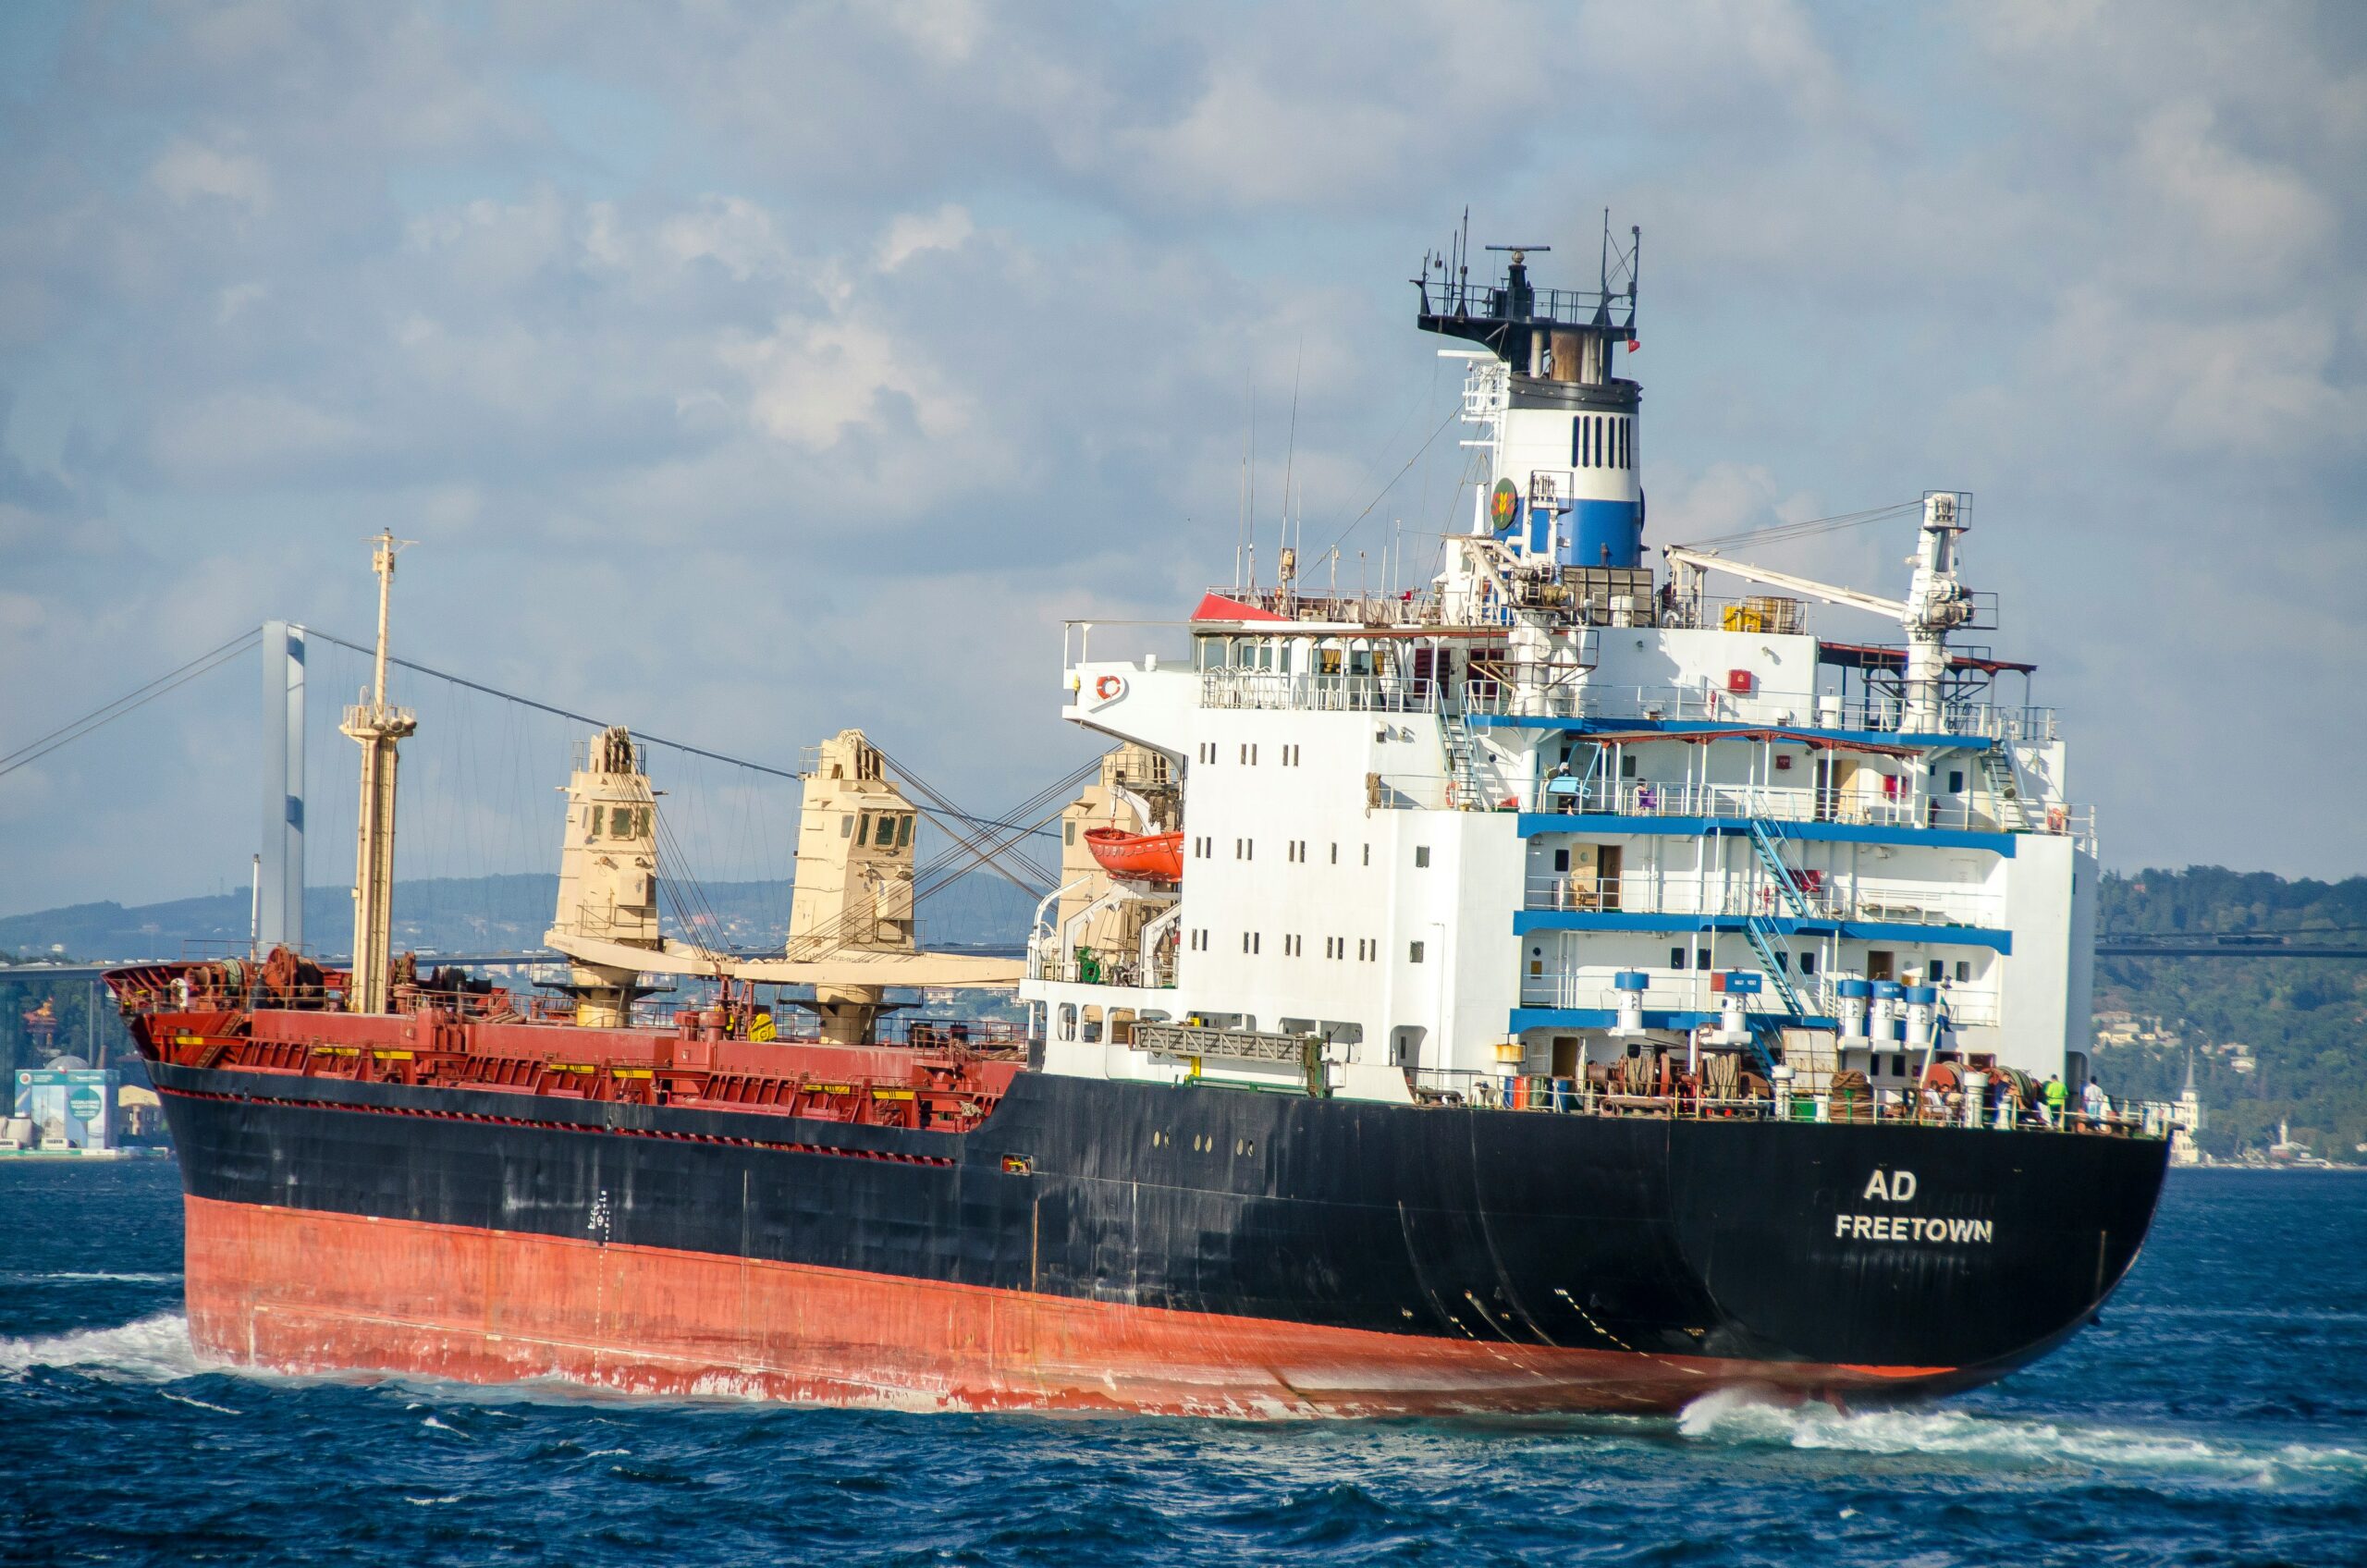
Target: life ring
{"x": 1108, "y": 687}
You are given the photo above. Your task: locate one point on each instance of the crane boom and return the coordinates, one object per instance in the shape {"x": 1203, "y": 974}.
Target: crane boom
{"x": 1704, "y": 561}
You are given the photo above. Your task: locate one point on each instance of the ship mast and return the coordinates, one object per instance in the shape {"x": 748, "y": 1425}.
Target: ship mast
{"x": 379, "y": 727}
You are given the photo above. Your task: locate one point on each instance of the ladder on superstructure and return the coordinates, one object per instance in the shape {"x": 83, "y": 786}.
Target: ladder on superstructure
{"x": 1461, "y": 762}
{"x": 2005, "y": 790}
{"x": 1767, "y": 939}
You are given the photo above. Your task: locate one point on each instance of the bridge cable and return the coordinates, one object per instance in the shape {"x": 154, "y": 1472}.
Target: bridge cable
{"x": 99, "y": 717}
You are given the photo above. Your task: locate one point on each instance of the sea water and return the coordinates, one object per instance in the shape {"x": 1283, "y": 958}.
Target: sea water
{"x": 2217, "y": 1414}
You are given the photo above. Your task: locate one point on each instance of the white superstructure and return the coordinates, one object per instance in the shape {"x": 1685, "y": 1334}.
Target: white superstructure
{"x": 1557, "y": 810}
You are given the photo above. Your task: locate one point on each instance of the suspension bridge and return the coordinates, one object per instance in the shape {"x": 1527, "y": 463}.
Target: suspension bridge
{"x": 478, "y": 805}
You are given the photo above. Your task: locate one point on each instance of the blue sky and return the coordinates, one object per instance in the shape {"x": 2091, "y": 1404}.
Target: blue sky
{"x": 743, "y": 372}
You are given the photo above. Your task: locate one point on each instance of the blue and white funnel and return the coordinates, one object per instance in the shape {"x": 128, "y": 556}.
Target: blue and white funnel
{"x": 1566, "y": 485}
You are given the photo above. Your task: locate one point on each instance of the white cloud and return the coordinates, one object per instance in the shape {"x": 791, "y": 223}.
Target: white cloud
{"x": 248, "y": 432}
{"x": 186, "y": 171}
{"x": 2255, "y": 221}
{"x": 671, "y": 313}
{"x": 914, "y": 234}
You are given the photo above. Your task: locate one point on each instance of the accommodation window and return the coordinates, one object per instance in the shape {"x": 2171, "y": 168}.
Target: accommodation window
{"x": 1676, "y": 958}
{"x": 1560, "y": 860}
{"x": 1956, "y": 782}
{"x": 1421, "y": 856}
{"x": 1964, "y": 970}
{"x": 1627, "y": 767}
{"x": 1368, "y": 854}
{"x": 846, "y": 827}
{"x": 1701, "y": 958}
{"x": 1290, "y": 946}
{"x": 1808, "y": 964}
{"x": 1335, "y": 854}
{"x": 1414, "y": 953}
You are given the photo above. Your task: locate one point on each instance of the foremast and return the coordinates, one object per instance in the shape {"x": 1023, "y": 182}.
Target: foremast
{"x": 379, "y": 727}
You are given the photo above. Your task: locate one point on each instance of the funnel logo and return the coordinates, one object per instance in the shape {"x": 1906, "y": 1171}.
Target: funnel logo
{"x": 1503, "y": 505}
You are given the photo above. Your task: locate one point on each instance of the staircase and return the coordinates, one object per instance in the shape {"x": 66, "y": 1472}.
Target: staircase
{"x": 1998, "y": 772}
{"x": 1775, "y": 958}
{"x": 1462, "y": 764}
{"x": 1770, "y": 839}
{"x": 1767, "y": 939}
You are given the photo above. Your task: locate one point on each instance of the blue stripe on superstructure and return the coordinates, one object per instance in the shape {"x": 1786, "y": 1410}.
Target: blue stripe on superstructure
{"x": 1527, "y": 920}
{"x": 1527, "y": 1018}
{"x": 1901, "y": 740}
{"x": 1534, "y": 823}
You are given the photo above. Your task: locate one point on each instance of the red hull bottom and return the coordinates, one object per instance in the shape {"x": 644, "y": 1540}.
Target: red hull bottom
{"x": 307, "y": 1292}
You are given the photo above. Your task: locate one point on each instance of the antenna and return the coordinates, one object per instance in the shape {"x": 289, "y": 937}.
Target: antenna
{"x": 1248, "y": 456}
{"x": 1463, "y": 255}
{"x": 1290, "y": 457}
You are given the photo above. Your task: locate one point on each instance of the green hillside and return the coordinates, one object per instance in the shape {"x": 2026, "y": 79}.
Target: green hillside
{"x": 2270, "y": 1038}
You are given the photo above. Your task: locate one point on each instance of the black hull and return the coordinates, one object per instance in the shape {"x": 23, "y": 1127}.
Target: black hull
{"x": 1746, "y": 1241}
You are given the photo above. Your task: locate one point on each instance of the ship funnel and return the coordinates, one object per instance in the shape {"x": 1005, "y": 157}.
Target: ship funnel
{"x": 1561, "y": 424}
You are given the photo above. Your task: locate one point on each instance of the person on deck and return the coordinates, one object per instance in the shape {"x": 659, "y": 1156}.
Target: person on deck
{"x": 2097, "y": 1106}
{"x": 2058, "y": 1094}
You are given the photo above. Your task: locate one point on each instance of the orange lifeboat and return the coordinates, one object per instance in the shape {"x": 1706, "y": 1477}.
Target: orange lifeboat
{"x": 1137, "y": 857}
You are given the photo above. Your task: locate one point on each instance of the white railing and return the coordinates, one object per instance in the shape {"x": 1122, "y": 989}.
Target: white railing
{"x": 1316, "y": 693}
{"x": 1592, "y": 989}
{"x": 1636, "y": 894}
{"x": 1812, "y": 711}
{"x": 1125, "y": 973}
{"x": 1801, "y": 803}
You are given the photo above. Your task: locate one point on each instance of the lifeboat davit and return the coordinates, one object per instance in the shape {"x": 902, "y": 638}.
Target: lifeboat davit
{"x": 1137, "y": 857}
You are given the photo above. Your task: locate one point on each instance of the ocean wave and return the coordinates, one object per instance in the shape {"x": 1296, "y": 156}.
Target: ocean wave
{"x": 86, "y": 1276}
{"x": 1736, "y": 1416}
{"x": 154, "y": 1349}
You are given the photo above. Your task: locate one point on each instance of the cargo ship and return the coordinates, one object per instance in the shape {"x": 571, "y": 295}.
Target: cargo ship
{"x": 1549, "y": 986}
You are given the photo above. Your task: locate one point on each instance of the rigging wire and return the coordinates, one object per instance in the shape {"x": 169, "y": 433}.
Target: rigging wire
{"x": 682, "y": 746}
{"x": 1785, "y": 533}
{"x": 1401, "y": 473}
{"x": 949, "y": 866}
